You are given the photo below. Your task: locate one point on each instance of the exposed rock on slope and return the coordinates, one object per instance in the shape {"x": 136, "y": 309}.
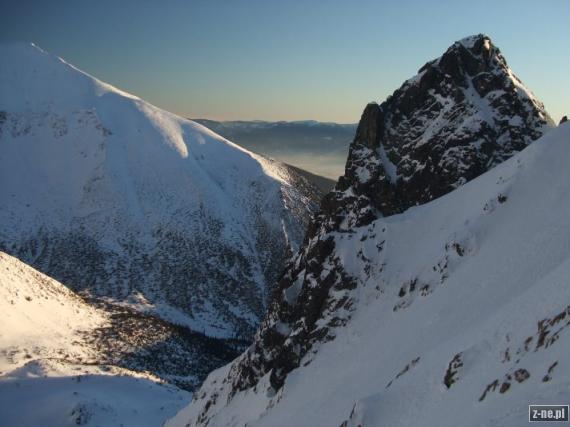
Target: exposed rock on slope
{"x": 463, "y": 114}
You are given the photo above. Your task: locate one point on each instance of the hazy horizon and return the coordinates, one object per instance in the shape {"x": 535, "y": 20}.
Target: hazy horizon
{"x": 319, "y": 148}
{"x": 287, "y": 61}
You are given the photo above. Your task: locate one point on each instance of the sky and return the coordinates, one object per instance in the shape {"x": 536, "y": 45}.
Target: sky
{"x": 287, "y": 60}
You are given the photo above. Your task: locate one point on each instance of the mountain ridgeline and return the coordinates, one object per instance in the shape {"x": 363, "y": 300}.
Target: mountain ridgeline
{"x": 463, "y": 114}
{"x": 138, "y": 209}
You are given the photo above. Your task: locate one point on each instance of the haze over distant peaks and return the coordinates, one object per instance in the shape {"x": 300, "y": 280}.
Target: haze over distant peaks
{"x": 318, "y": 147}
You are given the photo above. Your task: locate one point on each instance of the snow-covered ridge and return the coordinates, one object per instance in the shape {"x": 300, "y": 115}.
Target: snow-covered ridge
{"x": 117, "y": 198}
{"x": 23, "y": 83}
{"x": 460, "y": 305}
{"x": 33, "y": 80}
{"x": 40, "y": 317}
{"x": 50, "y": 370}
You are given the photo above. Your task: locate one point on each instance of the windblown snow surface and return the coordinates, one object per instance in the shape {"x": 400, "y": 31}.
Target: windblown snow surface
{"x": 460, "y": 314}
{"x": 49, "y": 374}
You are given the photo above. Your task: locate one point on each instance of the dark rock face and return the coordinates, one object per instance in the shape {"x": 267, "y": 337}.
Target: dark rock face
{"x": 464, "y": 113}
{"x": 461, "y": 115}
{"x": 563, "y": 119}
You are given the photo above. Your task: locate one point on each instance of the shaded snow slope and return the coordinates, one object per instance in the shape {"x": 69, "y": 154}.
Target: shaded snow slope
{"x": 458, "y": 307}
{"x": 41, "y": 319}
{"x": 117, "y": 198}
{"x": 44, "y": 394}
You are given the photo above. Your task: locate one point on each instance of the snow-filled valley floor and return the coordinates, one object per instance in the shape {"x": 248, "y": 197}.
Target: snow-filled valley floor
{"x": 460, "y": 316}
{"x": 47, "y": 395}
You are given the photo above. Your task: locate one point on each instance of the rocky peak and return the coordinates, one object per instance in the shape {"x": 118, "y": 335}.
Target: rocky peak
{"x": 463, "y": 113}
{"x": 471, "y": 55}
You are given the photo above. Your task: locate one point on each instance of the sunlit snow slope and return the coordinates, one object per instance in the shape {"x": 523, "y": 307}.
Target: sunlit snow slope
{"x": 459, "y": 313}
{"x": 41, "y": 318}
{"x": 117, "y": 198}
{"x": 49, "y": 375}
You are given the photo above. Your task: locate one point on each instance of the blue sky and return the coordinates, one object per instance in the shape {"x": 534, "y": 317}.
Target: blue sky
{"x": 288, "y": 60}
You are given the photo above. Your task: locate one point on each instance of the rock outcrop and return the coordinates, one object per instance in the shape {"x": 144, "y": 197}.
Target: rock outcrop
{"x": 464, "y": 113}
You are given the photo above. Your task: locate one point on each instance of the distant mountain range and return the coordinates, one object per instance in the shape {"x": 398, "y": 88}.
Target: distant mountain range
{"x": 318, "y": 147}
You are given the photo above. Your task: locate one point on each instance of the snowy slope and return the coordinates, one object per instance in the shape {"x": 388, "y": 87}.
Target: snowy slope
{"x": 459, "y": 307}
{"x": 41, "y": 318}
{"x": 42, "y": 394}
{"x": 50, "y": 370}
{"x": 117, "y": 198}
{"x": 464, "y": 114}
{"x": 395, "y": 162}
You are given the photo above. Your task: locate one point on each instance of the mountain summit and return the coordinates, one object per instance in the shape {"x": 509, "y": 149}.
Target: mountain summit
{"x": 122, "y": 201}
{"x": 462, "y": 115}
